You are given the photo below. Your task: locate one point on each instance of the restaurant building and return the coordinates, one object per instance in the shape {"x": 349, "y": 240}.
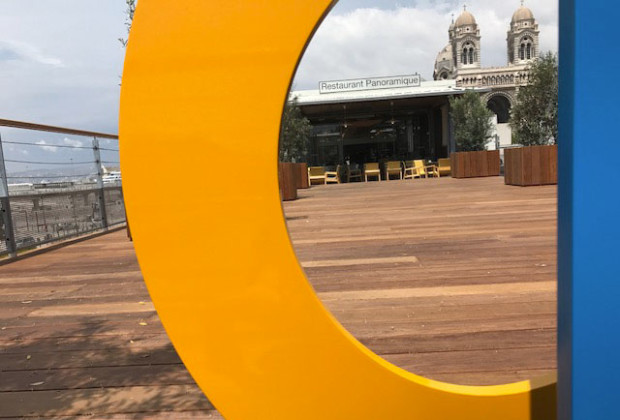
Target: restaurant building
{"x": 406, "y": 117}
{"x": 376, "y": 119}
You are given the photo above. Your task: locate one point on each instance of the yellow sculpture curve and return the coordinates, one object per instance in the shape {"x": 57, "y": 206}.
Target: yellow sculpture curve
{"x": 203, "y": 89}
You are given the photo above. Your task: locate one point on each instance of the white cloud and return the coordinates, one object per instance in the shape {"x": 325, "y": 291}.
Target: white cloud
{"x": 47, "y": 148}
{"x": 22, "y": 50}
{"x": 60, "y": 62}
{"x": 372, "y": 42}
{"x": 395, "y": 39}
{"x": 72, "y": 142}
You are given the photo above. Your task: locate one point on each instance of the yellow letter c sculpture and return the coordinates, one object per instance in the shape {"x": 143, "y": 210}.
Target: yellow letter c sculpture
{"x": 202, "y": 96}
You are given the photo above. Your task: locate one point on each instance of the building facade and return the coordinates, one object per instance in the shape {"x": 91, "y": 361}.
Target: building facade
{"x": 380, "y": 123}
{"x": 406, "y": 117}
{"x": 460, "y": 61}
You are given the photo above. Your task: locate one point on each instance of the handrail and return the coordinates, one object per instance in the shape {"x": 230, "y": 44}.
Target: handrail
{"x": 54, "y": 129}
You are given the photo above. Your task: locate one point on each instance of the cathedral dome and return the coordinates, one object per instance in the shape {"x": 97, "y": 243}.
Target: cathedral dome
{"x": 443, "y": 64}
{"x": 522, "y": 13}
{"x": 465, "y": 18}
{"x": 444, "y": 55}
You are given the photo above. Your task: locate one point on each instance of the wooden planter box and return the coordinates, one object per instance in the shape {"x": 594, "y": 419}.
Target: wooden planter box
{"x": 532, "y": 165}
{"x": 301, "y": 172}
{"x": 287, "y": 178}
{"x": 475, "y": 164}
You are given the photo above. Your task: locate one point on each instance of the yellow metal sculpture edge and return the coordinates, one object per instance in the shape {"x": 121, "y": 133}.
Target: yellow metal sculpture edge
{"x": 202, "y": 95}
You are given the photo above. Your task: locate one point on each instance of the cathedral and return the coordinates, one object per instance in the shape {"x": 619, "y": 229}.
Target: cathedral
{"x": 374, "y": 119}
{"x": 460, "y": 61}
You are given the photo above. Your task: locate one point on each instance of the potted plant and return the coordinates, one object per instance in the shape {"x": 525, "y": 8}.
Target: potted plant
{"x": 294, "y": 137}
{"x": 534, "y": 123}
{"x": 472, "y": 131}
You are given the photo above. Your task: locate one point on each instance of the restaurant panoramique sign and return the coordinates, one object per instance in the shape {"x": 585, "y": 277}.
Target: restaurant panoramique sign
{"x": 369, "y": 83}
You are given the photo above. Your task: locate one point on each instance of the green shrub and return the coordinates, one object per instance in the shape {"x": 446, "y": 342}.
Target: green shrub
{"x": 472, "y": 122}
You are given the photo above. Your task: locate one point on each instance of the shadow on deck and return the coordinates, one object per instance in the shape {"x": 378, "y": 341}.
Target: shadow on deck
{"x": 452, "y": 279}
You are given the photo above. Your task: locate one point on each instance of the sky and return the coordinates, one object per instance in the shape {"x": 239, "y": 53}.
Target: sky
{"x": 365, "y": 38}
{"x": 61, "y": 61}
{"x": 60, "y": 64}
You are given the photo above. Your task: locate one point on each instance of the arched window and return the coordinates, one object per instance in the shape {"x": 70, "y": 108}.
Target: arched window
{"x": 469, "y": 53}
{"x": 525, "y": 50}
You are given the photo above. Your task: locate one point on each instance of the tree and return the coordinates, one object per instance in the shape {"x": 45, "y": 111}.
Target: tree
{"x": 472, "y": 122}
{"x": 131, "y": 8}
{"x": 294, "y": 135}
{"x": 534, "y": 118}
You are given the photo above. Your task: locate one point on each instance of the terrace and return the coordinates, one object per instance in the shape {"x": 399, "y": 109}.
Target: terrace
{"x": 451, "y": 279}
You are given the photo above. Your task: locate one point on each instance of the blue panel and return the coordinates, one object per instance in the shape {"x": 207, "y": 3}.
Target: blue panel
{"x": 565, "y": 207}
{"x": 589, "y": 213}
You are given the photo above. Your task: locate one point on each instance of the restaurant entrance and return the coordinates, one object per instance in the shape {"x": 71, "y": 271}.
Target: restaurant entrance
{"x": 378, "y": 124}
{"x": 358, "y": 141}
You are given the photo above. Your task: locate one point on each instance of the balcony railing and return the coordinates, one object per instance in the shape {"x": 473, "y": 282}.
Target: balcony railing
{"x": 56, "y": 183}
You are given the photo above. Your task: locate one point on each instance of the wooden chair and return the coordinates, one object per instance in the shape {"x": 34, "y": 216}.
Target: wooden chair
{"x": 393, "y": 168}
{"x": 430, "y": 170}
{"x": 412, "y": 170}
{"x": 354, "y": 172}
{"x": 372, "y": 169}
{"x": 333, "y": 177}
{"x": 316, "y": 173}
{"x": 443, "y": 166}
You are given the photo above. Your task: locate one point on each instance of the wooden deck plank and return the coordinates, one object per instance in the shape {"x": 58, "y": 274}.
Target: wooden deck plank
{"x": 95, "y": 377}
{"x": 99, "y": 401}
{"x": 451, "y": 279}
{"x": 162, "y": 415}
{"x": 105, "y": 356}
{"x": 486, "y": 271}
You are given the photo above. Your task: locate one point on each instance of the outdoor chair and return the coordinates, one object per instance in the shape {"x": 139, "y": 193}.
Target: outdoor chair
{"x": 443, "y": 166}
{"x": 316, "y": 173}
{"x": 413, "y": 171}
{"x": 426, "y": 170}
{"x": 372, "y": 169}
{"x": 354, "y": 172}
{"x": 393, "y": 168}
{"x": 333, "y": 177}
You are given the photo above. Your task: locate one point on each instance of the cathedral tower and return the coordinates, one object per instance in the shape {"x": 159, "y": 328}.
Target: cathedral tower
{"x": 465, "y": 42}
{"x": 522, "y": 37}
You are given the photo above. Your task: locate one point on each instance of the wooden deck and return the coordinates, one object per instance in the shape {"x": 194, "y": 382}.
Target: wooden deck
{"x": 451, "y": 279}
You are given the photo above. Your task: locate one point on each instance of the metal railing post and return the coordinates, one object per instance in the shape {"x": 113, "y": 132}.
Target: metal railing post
{"x": 7, "y": 219}
{"x": 99, "y": 164}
